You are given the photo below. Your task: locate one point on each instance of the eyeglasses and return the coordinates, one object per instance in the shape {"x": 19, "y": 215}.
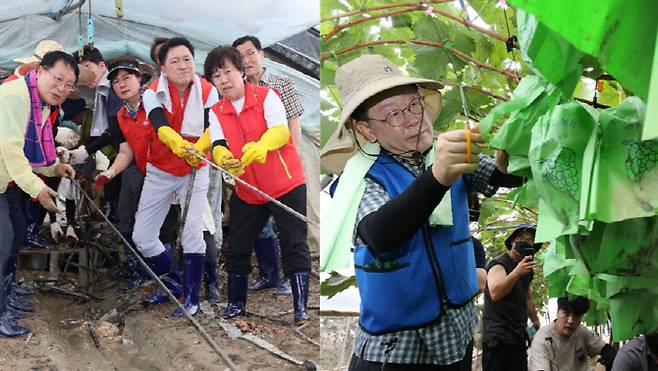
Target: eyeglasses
{"x": 59, "y": 81}
{"x": 396, "y": 118}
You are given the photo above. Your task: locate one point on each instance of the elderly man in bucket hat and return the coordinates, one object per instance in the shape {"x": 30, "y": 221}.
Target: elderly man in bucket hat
{"x": 401, "y": 203}
{"x": 508, "y": 303}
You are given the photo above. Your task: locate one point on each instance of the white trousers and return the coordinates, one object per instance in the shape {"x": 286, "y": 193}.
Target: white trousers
{"x": 159, "y": 188}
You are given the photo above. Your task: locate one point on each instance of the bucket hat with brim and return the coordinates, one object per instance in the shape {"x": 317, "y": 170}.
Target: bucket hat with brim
{"x": 41, "y": 49}
{"x": 520, "y": 228}
{"x": 359, "y": 80}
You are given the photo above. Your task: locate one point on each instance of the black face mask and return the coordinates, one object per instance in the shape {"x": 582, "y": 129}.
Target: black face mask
{"x": 524, "y": 248}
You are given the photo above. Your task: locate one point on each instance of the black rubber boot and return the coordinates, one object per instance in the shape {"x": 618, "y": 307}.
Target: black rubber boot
{"x": 284, "y": 288}
{"x": 32, "y": 237}
{"x": 8, "y": 327}
{"x": 22, "y": 290}
{"x": 212, "y": 283}
{"x": 299, "y": 285}
{"x": 268, "y": 263}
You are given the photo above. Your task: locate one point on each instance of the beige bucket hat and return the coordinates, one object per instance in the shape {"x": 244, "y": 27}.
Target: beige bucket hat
{"x": 42, "y": 48}
{"x": 359, "y": 80}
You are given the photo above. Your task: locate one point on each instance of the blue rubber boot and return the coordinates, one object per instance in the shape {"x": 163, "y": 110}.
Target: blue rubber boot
{"x": 268, "y": 263}
{"x": 161, "y": 264}
{"x": 237, "y": 296}
{"x": 193, "y": 270}
{"x": 138, "y": 275}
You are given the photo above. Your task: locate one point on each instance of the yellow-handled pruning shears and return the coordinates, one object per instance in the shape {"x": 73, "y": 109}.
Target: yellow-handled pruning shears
{"x": 468, "y": 124}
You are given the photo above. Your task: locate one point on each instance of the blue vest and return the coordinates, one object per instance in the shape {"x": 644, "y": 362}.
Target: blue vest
{"x": 407, "y": 287}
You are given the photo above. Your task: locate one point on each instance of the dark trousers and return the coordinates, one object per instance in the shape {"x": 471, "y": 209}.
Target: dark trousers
{"x": 36, "y": 213}
{"x": 112, "y": 190}
{"x": 212, "y": 251}
{"x": 497, "y": 356}
{"x": 6, "y": 243}
{"x": 247, "y": 221}
{"x": 17, "y": 212}
{"x": 357, "y": 364}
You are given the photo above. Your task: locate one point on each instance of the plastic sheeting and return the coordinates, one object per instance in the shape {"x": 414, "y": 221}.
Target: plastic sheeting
{"x": 207, "y": 23}
{"x": 303, "y": 49}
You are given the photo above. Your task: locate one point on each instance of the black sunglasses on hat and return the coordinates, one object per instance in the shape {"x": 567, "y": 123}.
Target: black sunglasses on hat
{"x": 122, "y": 65}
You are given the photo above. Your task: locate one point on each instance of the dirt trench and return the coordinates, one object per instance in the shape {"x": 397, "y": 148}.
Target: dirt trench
{"x": 69, "y": 335}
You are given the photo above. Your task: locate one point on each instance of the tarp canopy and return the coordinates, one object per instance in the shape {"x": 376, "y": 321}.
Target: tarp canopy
{"x": 206, "y": 23}
{"x": 303, "y": 49}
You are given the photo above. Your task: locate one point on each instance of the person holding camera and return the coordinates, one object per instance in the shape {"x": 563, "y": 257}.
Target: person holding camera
{"x": 508, "y": 303}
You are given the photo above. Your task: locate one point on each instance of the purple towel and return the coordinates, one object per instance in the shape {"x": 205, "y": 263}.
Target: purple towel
{"x": 39, "y": 145}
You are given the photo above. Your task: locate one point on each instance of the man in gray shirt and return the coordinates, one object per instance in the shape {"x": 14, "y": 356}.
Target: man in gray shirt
{"x": 566, "y": 344}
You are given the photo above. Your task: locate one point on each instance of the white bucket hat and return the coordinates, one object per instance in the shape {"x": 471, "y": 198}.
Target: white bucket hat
{"x": 359, "y": 80}
{"x": 42, "y": 48}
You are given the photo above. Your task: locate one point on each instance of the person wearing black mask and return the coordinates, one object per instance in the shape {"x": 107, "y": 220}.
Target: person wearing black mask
{"x": 508, "y": 303}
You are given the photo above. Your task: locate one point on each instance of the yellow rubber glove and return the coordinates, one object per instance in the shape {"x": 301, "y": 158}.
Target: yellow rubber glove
{"x": 224, "y": 158}
{"x": 201, "y": 147}
{"x": 175, "y": 142}
{"x": 274, "y": 138}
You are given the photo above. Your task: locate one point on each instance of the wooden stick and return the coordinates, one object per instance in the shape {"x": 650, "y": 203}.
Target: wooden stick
{"x": 337, "y": 313}
{"x": 299, "y": 332}
{"x": 62, "y": 290}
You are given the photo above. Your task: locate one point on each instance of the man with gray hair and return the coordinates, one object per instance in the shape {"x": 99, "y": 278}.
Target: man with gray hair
{"x": 413, "y": 253}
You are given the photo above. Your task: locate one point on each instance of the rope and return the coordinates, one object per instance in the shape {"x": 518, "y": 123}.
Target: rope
{"x": 155, "y": 277}
{"x": 268, "y": 197}
{"x": 184, "y": 210}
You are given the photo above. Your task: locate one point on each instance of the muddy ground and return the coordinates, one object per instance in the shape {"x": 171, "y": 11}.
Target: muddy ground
{"x": 70, "y": 335}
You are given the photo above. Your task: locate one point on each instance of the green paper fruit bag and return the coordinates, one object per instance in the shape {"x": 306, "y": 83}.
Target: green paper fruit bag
{"x": 532, "y": 98}
{"x": 559, "y": 139}
{"x": 624, "y": 176}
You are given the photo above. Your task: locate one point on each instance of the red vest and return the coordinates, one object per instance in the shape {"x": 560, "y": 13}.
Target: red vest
{"x": 282, "y": 170}
{"x": 138, "y": 134}
{"x": 159, "y": 154}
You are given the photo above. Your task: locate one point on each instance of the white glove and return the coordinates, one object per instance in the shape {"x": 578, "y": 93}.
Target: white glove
{"x": 71, "y": 235}
{"x": 56, "y": 231}
{"x": 79, "y": 156}
{"x": 63, "y": 154}
{"x": 102, "y": 162}
{"x": 67, "y": 137}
